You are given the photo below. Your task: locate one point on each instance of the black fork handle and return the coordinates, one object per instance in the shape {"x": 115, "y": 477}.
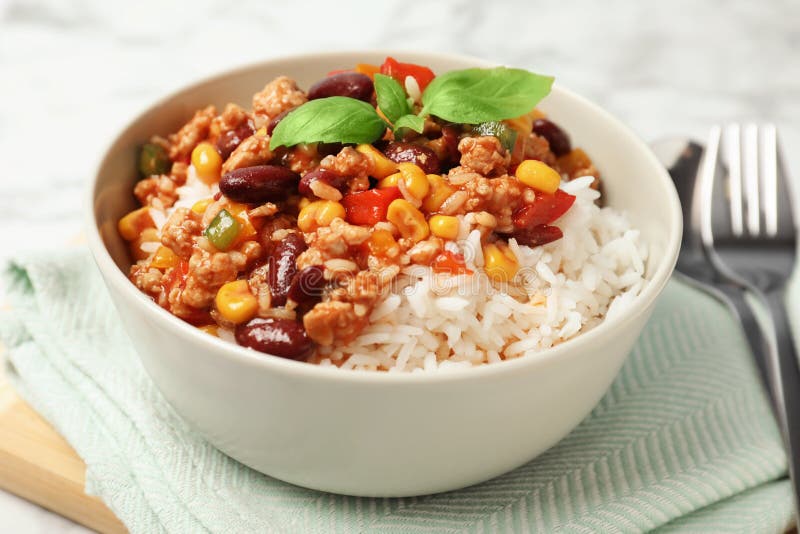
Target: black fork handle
{"x": 788, "y": 379}
{"x": 734, "y": 297}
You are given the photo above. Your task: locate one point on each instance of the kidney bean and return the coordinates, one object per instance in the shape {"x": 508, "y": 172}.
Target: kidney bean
{"x": 283, "y": 266}
{"x": 277, "y": 119}
{"x": 558, "y": 138}
{"x": 324, "y": 175}
{"x": 537, "y": 235}
{"x": 281, "y": 337}
{"x": 329, "y": 149}
{"x": 419, "y": 155}
{"x": 228, "y": 141}
{"x": 259, "y": 184}
{"x": 307, "y": 286}
{"x": 450, "y": 136}
{"x": 351, "y": 84}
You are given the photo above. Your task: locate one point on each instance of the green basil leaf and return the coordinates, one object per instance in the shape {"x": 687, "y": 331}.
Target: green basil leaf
{"x": 336, "y": 119}
{"x": 472, "y": 96}
{"x": 391, "y": 98}
{"x": 413, "y": 122}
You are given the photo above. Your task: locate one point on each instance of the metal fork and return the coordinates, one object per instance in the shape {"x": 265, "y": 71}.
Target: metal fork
{"x": 752, "y": 241}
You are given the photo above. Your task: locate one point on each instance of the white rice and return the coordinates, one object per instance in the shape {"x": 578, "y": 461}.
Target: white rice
{"x": 430, "y": 322}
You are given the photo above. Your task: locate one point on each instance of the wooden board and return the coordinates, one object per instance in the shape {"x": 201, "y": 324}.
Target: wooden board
{"x": 37, "y": 464}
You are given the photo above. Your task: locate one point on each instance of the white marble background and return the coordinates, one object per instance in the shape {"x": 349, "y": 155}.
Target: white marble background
{"x": 72, "y": 72}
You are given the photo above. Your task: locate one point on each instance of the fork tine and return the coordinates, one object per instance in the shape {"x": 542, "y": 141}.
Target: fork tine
{"x": 750, "y": 171}
{"x": 705, "y": 185}
{"x": 733, "y": 156}
{"x": 769, "y": 177}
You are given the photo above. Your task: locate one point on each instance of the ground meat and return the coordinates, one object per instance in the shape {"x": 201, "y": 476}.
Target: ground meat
{"x": 207, "y": 272}
{"x": 158, "y": 191}
{"x": 259, "y": 285}
{"x": 231, "y": 118}
{"x": 499, "y": 196}
{"x": 183, "y": 142}
{"x": 302, "y": 158}
{"x": 484, "y": 155}
{"x": 179, "y": 172}
{"x": 423, "y": 252}
{"x": 146, "y": 278}
{"x": 330, "y": 242}
{"x": 352, "y": 164}
{"x": 537, "y": 147}
{"x": 181, "y": 231}
{"x": 277, "y": 96}
{"x": 345, "y": 315}
{"x": 252, "y": 151}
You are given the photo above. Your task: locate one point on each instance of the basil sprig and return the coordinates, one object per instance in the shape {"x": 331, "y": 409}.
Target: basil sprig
{"x": 470, "y": 96}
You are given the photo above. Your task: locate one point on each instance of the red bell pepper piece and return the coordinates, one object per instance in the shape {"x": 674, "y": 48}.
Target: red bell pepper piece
{"x": 545, "y": 209}
{"x": 369, "y": 207}
{"x": 399, "y": 71}
{"x": 451, "y": 263}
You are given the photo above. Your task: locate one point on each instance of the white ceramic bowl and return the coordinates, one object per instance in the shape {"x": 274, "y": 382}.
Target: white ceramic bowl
{"x": 378, "y": 434}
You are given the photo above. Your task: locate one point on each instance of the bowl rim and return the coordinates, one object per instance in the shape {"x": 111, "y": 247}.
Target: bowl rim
{"x": 249, "y": 357}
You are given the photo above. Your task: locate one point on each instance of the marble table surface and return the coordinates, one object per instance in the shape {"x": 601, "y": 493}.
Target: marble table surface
{"x": 71, "y": 74}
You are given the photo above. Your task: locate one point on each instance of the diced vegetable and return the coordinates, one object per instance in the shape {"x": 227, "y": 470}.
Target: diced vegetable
{"x": 414, "y": 180}
{"x": 409, "y": 221}
{"x": 153, "y": 159}
{"x": 366, "y": 68}
{"x": 200, "y": 206}
{"x": 451, "y": 263}
{"x": 134, "y": 223}
{"x": 439, "y": 191}
{"x": 223, "y": 230}
{"x": 500, "y": 263}
{"x": 444, "y": 226}
{"x": 399, "y": 71}
{"x": 538, "y": 175}
{"x": 380, "y": 242}
{"x": 235, "y": 302}
{"x": 369, "y": 207}
{"x": 381, "y": 165}
{"x": 544, "y": 210}
{"x": 319, "y": 213}
{"x": 506, "y": 134}
{"x": 164, "y": 258}
{"x": 537, "y": 235}
{"x": 207, "y": 162}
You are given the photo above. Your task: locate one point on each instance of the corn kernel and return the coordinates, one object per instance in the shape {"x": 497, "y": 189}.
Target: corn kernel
{"x": 210, "y": 329}
{"x": 444, "y": 226}
{"x": 164, "y": 258}
{"x": 262, "y": 131}
{"x": 207, "y": 162}
{"x": 319, "y": 213}
{"x": 390, "y": 181}
{"x": 381, "y": 165}
{"x": 200, "y": 206}
{"x": 499, "y": 262}
{"x": 235, "y": 302}
{"x": 380, "y": 242}
{"x": 134, "y": 223}
{"x": 438, "y": 192}
{"x": 410, "y": 222}
{"x": 414, "y": 179}
{"x": 538, "y": 175}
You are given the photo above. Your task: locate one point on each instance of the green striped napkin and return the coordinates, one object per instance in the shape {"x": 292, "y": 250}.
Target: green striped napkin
{"x": 683, "y": 441}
